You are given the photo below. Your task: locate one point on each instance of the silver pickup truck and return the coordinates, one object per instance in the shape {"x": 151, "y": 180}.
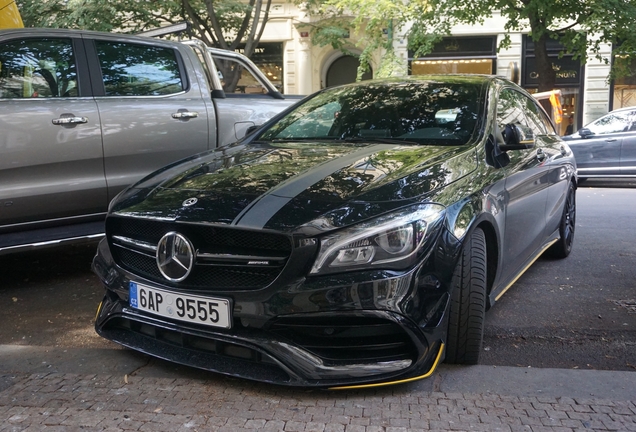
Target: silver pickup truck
{"x": 84, "y": 114}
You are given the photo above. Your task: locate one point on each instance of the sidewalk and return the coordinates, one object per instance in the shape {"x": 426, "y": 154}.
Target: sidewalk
{"x": 483, "y": 398}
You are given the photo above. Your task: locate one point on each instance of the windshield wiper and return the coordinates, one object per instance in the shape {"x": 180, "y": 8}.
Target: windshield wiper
{"x": 378, "y": 140}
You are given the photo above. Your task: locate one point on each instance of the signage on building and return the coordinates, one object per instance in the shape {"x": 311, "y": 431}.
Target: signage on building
{"x": 568, "y": 71}
{"x": 474, "y": 46}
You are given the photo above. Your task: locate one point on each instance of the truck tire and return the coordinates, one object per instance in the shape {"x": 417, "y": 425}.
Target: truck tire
{"x": 468, "y": 302}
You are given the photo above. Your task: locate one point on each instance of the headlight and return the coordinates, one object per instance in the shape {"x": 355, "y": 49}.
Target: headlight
{"x": 390, "y": 241}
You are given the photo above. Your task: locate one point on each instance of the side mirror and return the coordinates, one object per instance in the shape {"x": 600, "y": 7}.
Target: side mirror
{"x": 585, "y": 132}
{"x": 517, "y": 137}
{"x": 251, "y": 129}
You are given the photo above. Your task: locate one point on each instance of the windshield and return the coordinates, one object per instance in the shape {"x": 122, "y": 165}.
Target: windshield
{"x": 431, "y": 113}
{"x": 614, "y": 122}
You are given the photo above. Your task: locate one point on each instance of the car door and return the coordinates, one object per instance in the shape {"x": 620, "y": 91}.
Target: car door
{"x": 152, "y": 111}
{"x": 526, "y": 189}
{"x": 598, "y": 147}
{"x": 628, "y": 147}
{"x": 51, "y": 165}
{"x": 553, "y": 155}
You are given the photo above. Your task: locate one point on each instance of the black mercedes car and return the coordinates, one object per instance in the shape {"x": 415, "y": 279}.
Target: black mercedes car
{"x": 357, "y": 239}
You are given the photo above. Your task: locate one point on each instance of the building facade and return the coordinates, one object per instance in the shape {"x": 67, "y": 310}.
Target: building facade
{"x": 296, "y": 66}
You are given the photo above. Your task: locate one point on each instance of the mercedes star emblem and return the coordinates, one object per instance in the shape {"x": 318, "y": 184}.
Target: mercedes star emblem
{"x": 175, "y": 256}
{"x": 190, "y": 202}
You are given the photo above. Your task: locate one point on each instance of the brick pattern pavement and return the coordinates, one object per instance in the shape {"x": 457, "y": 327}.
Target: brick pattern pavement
{"x": 68, "y": 402}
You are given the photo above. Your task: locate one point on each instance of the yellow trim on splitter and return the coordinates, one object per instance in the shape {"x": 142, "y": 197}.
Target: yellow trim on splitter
{"x": 526, "y": 268}
{"x": 382, "y": 384}
{"x": 98, "y": 309}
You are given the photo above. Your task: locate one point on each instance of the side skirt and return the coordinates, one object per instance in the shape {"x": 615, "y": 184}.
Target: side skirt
{"x": 497, "y": 293}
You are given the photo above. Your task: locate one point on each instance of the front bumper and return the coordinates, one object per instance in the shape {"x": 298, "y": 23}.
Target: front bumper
{"x": 362, "y": 329}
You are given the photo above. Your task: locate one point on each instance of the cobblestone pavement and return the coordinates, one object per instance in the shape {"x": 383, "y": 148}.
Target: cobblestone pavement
{"x": 82, "y": 402}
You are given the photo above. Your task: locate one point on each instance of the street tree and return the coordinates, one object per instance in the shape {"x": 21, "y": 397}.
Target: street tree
{"x": 225, "y": 24}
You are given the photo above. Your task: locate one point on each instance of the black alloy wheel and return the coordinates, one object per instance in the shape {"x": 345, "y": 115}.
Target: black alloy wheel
{"x": 468, "y": 302}
{"x": 563, "y": 247}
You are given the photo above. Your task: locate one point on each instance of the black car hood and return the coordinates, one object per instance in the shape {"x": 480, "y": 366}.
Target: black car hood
{"x": 286, "y": 185}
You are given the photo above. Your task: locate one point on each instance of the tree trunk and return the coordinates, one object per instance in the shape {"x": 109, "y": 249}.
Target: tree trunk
{"x": 547, "y": 74}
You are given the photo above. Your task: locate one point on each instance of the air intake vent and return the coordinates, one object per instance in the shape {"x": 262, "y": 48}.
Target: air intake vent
{"x": 348, "y": 340}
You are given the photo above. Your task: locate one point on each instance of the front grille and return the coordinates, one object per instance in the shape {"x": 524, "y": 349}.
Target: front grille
{"x": 227, "y": 258}
{"x": 348, "y": 339}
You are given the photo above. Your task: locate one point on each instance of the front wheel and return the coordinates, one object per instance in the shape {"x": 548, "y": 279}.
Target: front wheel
{"x": 563, "y": 246}
{"x": 468, "y": 302}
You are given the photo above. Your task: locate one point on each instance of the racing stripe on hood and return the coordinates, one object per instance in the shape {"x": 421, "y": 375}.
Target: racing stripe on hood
{"x": 263, "y": 208}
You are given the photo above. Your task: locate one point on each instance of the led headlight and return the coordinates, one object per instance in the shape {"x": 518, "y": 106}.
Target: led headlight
{"x": 390, "y": 241}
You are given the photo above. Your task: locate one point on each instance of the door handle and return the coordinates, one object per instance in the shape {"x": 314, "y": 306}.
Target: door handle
{"x": 69, "y": 120}
{"x": 611, "y": 140}
{"x": 185, "y": 115}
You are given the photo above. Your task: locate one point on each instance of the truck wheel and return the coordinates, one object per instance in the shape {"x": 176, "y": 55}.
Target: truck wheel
{"x": 563, "y": 247}
{"x": 468, "y": 302}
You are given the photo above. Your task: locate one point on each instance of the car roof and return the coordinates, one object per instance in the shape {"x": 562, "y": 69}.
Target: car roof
{"x": 57, "y": 32}
{"x": 629, "y": 108}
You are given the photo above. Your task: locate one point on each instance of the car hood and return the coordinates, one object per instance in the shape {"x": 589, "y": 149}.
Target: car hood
{"x": 285, "y": 186}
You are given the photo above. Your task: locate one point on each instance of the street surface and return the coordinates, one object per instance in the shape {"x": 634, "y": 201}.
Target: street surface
{"x": 559, "y": 355}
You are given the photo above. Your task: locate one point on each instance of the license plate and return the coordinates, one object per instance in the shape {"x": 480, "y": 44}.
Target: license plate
{"x": 214, "y": 312}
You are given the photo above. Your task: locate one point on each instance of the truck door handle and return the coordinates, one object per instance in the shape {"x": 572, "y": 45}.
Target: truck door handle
{"x": 185, "y": 115}
{"x": 69, "y": 120}
{"x": 610, "y": 140}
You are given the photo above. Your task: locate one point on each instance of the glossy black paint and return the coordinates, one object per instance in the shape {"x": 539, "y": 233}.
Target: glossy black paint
{"x": 317, "y": 329}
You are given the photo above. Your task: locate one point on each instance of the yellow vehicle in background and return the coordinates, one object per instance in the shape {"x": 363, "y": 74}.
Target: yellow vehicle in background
{"x": 10, "y": 15}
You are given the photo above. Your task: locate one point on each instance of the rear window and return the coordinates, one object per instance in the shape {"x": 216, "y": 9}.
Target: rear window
{"x": 138, "y": 70}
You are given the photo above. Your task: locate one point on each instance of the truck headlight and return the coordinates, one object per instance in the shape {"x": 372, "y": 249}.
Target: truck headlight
{"x": 390, "y": 241}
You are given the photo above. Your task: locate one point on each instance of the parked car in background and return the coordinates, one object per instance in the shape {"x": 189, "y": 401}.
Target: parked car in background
{"x": 357, "y": 238}
{"x": 85, "y": 114}
{"x": 607, "y": 146}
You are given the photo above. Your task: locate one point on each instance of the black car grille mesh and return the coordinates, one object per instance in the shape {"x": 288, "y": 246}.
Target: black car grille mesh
{"x": 348, "y": 339}
{"x": 207, "y": 273}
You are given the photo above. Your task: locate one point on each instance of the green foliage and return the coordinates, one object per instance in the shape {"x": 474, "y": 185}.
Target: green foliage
{"x": 582, "y": 26}
{"x": 222, "y": 23}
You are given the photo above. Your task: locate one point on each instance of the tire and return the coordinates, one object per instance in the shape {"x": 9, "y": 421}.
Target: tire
{"x": 468, "y": 302}
{"x": 563, "y": 247}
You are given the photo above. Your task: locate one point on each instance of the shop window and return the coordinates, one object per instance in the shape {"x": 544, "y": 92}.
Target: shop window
{"x": 463, "y": 55}
{"x": 452, "y": 66}
{"x": 268, "y": 57}
{"x": 624, "y": 88}
{"x": 569, "y": 80}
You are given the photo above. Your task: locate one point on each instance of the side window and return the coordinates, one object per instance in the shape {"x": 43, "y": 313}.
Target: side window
{"x": 237, "y": 79}
{"x": 37, "y": 68}
{"x": 138, "y": 70}
{"x": 509, "y": 109}
{"x": 611, "y": 123}
{"x": 538, "y": 121}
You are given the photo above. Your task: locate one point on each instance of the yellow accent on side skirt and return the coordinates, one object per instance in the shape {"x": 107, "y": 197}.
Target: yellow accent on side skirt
{"x": 382, "y": 384}
{"x": 98, "y": 309}
{"x": 526, "y": 268}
